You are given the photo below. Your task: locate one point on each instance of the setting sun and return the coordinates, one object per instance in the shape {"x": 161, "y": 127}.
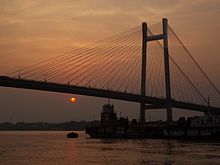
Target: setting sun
{"x": 73, "y": 99}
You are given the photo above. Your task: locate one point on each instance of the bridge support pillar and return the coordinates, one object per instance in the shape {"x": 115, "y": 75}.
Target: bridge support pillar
{"x": 143, "y": 71}
{"x": 167, "y": 70}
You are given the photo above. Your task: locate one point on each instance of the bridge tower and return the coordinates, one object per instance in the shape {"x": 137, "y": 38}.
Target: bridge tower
{"x": 143, "y": 71}
{"x": 145, "y": 39}
{"x": 167, "y": 70}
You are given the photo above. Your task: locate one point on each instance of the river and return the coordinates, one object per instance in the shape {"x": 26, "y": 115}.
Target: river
{"x": 52, "y": 147}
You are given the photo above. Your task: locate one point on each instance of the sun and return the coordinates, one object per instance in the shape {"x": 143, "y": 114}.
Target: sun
{"x": 73, "y": 99}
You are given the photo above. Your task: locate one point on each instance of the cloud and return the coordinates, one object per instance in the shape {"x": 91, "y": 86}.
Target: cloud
{"x": 48, "y": 23}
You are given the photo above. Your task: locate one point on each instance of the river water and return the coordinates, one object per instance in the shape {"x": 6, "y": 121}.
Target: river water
{"x": 52, "y": 147}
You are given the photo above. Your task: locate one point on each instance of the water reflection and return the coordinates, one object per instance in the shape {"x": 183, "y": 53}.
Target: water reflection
{"x": 54, "y": 148}
{"x": 72, "y": 152}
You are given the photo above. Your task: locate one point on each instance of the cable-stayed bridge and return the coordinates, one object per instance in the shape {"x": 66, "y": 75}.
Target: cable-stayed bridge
{"x": 139, "y": 65}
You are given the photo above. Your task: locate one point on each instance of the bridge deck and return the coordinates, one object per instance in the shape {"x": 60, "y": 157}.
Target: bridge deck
{"x": 72, "y": 89}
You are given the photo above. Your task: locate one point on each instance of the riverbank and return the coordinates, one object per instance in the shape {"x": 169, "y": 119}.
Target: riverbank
{"x": 44, "y": 126}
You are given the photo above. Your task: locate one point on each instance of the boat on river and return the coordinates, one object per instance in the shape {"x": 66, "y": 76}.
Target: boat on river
{"x": 72, "y": 135}
{"x": 110, "y": 126}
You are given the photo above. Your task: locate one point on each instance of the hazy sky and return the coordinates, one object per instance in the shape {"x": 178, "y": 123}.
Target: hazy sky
{"x": 35, "y": 30}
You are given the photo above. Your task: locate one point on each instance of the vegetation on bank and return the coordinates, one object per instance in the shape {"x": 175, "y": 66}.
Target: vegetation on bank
{"x": 44, "y": 126}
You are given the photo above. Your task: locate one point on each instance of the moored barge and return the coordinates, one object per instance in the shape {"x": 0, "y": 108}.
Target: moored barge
{"x": 110, "y": 126}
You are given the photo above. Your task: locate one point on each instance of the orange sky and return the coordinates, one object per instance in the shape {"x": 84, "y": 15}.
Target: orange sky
{"x": 35, "y": 30}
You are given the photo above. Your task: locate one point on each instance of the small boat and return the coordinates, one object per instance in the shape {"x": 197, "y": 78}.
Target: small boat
{"x": 72, "y": 135}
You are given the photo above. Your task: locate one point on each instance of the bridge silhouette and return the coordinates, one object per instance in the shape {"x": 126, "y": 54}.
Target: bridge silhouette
{"x": 138, "y": 65}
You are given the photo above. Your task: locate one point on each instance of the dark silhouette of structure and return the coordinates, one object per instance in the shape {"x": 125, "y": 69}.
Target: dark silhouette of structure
{"x": 146, "y": 101}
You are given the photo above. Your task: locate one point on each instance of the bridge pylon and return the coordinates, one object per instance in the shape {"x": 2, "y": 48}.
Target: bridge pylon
{"x": 145, "y": 40}
{"x": 143, "y": 71}
{"x": 167, "y": 70}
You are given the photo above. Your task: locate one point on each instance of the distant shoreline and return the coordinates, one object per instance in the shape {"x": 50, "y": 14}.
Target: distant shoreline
{"x": 44, "y": 126}
{"x": 40, "y": 130}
